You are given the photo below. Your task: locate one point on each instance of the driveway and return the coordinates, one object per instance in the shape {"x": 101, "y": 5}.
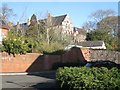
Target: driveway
{"x": 38, "y": 81}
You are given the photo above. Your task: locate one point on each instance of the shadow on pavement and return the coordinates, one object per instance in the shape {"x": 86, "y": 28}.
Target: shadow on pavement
{"x": 45, "y": 74}
{"x": 50, "y": 83}
{"x": 46, "y": 86}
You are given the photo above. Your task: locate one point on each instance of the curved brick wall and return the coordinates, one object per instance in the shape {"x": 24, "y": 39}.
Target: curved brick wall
{"x": 34, "y": 62}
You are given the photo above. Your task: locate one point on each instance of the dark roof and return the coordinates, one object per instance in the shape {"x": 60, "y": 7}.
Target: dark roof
{"x": 80, "y": 30}
{"x": 24, "y": 25}
{"x": 3, "y": 24}
{"x": 76, "y": 29}
{"x": 56, "y": 20}
{"x": 91, "y": 43}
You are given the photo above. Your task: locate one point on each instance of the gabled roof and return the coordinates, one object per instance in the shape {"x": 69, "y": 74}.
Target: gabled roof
{"x": 56, "y": 20}
{"x": 3, "y": 25}
{"x": 91, "y": 43}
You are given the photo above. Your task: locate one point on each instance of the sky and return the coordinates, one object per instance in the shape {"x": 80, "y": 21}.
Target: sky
{"x": 78, "y": 11}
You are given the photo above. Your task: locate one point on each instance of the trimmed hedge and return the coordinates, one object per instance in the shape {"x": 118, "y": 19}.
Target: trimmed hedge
{"x": 75, "y": 78}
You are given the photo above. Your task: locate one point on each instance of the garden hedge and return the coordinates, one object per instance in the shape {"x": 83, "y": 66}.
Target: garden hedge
{"x": 77, "y": 78}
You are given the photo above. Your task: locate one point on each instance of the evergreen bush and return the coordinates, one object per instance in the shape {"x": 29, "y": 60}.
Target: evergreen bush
{"x": 76, "y": 78}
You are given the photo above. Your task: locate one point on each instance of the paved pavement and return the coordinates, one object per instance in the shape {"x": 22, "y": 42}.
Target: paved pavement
{"x": 38, "y": 81}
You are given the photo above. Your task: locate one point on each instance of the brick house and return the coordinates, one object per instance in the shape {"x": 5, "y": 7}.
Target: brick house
{"x": 4, "y": 29}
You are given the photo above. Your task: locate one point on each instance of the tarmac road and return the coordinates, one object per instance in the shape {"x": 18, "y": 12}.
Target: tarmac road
{"x": 43, "y": 80}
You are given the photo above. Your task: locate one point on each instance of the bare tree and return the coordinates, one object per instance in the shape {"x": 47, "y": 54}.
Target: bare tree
{"x": 98, "y": 17}
{"x": 22, "y": 28}
{"x": 52, "y": 32}
{"x": 101, "y": 14}
{"x": 49, "y": 25}
{"x": 88, "y": 26}
{"x": 6, "y": 12}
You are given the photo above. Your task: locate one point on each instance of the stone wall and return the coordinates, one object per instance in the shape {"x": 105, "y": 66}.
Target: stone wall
{"x": 105, "y": 55}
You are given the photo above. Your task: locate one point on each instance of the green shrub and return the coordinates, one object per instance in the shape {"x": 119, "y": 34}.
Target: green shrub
{"x": 88, "y": 78}
{"x": 2, "y": 48}
{"x": 52, "y": 48}
{"x": 15, "y": 45}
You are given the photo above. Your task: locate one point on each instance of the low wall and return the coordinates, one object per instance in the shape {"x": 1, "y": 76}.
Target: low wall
{"x": 105, "y": 55}
{"x": 34, "y": 62}
{"x": 20, "y": 63}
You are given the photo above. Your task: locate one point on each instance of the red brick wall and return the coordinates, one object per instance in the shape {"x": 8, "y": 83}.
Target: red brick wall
{"x": 20, "y": 63}
{"x": 86, "y": 54}
{"x": 34, "y": 62}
